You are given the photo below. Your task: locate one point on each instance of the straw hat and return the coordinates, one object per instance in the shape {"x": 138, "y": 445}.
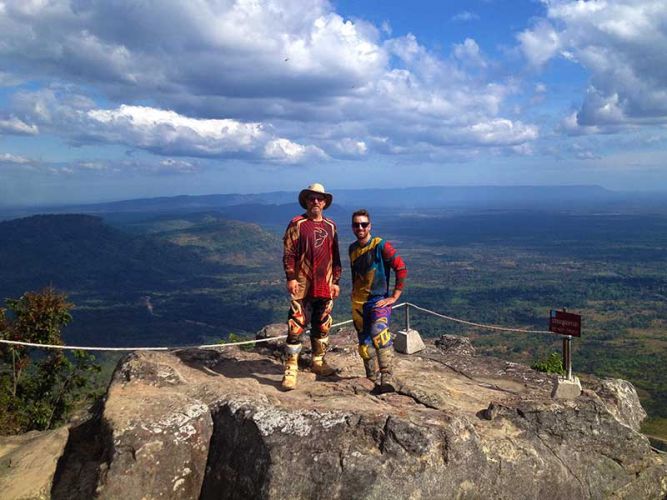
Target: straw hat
{"x": 315, "y": 189}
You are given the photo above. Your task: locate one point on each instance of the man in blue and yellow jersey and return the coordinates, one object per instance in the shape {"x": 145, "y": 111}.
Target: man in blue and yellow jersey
{"x": 312, "y": 270}
{"x": 371, "y": 259}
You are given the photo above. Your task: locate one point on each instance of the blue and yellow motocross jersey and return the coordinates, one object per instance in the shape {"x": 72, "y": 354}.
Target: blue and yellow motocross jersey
{"x": 371, "y": 265}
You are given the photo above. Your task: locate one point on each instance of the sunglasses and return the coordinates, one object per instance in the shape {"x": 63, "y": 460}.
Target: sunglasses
{"x": 361, "y": 224}
{"x": 319, "y": 199}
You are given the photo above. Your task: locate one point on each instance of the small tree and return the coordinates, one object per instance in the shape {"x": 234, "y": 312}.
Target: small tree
{"x": 38, "y": 317}
{"x": 42, "y": 394}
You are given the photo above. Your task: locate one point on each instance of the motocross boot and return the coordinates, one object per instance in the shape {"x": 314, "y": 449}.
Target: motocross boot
{"x": 369, "y": 357}
{"x": 386, "y": 359}
{"x": 317, "y": 364}
{"x": 291, "y": 366}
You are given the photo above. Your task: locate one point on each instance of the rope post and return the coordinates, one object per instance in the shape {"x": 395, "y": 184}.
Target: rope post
{"x": 567, "y": 356}
{"x": 407, "y": 317}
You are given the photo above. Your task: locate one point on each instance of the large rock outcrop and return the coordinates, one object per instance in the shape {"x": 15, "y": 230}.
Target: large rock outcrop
{"x": 215, "y": 424}
{"x": 28, "y": 463}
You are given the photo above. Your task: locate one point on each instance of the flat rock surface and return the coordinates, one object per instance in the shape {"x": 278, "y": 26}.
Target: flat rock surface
{"x": 216, "y": 424}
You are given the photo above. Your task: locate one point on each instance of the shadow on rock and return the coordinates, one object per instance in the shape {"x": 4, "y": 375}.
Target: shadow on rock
{"x": 229, "y": 365}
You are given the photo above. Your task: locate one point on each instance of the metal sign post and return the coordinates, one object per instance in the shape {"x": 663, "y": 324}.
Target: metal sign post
{"x": 567, "y": 324}
{"x": 567, "y": 356}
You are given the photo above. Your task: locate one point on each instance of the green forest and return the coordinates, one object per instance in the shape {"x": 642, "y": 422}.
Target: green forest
{"x": 173, "y": 279}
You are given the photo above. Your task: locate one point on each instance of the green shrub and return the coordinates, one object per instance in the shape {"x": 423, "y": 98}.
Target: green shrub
{"x": 234, "y": 338}
{"x": 553, "y": 364}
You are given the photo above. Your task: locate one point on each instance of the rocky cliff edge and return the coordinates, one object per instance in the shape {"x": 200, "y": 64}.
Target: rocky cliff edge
{"x": 215, "y": 424}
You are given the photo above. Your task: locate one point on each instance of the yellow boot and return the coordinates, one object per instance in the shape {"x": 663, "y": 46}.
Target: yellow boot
{"x": 369, "y": 356}
{"x": 317, "y": 363}
{"x": 386, "y": 361}
{"x": 291, "y": 366}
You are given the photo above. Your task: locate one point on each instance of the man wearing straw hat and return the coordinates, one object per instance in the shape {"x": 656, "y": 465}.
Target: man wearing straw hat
{"x": 312, "y": 268}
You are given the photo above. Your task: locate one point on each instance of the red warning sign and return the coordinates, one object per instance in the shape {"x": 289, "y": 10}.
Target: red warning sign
{"x": 565, "y": 323}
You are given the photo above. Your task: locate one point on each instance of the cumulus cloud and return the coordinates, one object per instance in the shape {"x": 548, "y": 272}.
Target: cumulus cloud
{"x": 540, "y": 43}
{"x": 218, "y": 48}
{"x": 469, "y": 53}
{"x": 286, "y": 151}
{"x": 170, "y": 133}
{"x": 349, "y": 148}
{"x": 622, "y": 45}
{"x": 15, "y": 126}
{"x": 164, "y": 132}
{"x": 282, "y": 81}
{"x": 10, "y": 159}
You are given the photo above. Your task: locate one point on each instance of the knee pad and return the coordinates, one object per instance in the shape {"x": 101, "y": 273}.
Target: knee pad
{"x": 294, "y": 327}
{"x": 382, "y": 339}
{"x": 365, "y": 351}
{"x": 326, "y": 326}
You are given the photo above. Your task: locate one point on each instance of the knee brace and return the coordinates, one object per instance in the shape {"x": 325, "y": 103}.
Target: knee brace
{"x": 380, "y": 334}
{"x": 364, "y": 351}
{"x": 321, "y": 326}
{"x": 296, "y": 321}
{"x": 294, "y": 328}
{"x": 326, "y": 326}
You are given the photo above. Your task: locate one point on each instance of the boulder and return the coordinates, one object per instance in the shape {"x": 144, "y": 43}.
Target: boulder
{"x": 622, "y": 401}
{"x": 28, "y": 463}
{"x": 215, "y": 424}
{"x": 455, "y": 344}
{"x": 272, "y": 330}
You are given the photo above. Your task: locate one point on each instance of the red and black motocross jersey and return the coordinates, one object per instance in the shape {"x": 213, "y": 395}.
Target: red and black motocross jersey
{"x": 311, "y": 256}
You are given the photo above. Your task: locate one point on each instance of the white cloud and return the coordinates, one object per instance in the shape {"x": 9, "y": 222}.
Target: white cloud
{"x": 215, "y": 48}
{"x": 571, "y": 126}
{"x": 179, "y": 166}
{"x": 286, "y": 151}
{"x": 15, "y": 126}
{"x": 540, "y": 43}
{"x": 272, "y": 80}
{"x": 164, "y": 130}
{"x": 465, "y": 16}
{"x": 348, "y": 147}
{"x": 622, "y": 43}
{"x": 469, "y": 53}
{"x": 8, "y": 158}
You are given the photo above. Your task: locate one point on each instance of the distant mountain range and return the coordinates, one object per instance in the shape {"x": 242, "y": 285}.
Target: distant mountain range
{"x": 280, "y": 205}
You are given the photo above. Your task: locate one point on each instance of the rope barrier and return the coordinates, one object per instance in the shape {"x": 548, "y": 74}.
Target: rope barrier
{"x": 479, "y": 325}
{"x": 256, "y": 341}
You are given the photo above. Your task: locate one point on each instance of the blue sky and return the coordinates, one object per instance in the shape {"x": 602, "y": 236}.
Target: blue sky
{"x": 105, "y": 100}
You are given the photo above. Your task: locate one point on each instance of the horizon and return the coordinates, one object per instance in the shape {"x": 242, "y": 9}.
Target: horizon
{"x": 101, "y": 103}
{"x": 626, "y": 192}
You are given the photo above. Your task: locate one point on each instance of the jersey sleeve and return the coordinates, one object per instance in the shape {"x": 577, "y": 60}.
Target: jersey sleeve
{"x": 391, "y": 258}
{"x": 337, "y": 268}
{"x": 290, "y": 248}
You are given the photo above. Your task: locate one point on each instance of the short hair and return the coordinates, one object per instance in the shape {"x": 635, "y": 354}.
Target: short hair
{"x": 363, "y": 212}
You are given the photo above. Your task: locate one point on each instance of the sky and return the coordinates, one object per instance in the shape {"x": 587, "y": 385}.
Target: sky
{"x": 106, "y": 100}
